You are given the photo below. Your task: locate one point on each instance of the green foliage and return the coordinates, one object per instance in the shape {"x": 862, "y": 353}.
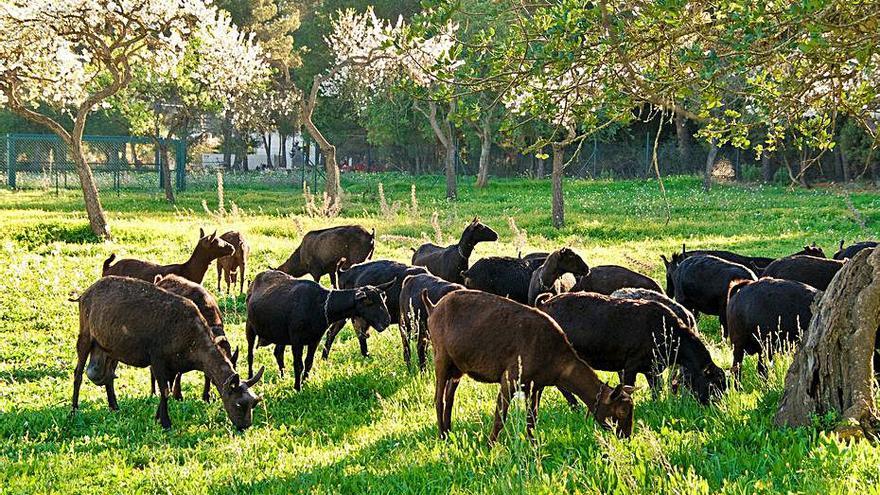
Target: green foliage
{"x": 367, "y": 425}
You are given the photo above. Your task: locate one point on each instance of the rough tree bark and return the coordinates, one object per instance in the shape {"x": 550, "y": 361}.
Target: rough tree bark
{"x": 331, "y": 168}
{"x": 267, "y": 145}
{"x": 166, "y": 169}
{"x": 684, "y": 140}
{"x": 710, "y": 165}
{"x": 485, "y": 133}
{"x": 767, "y": 168}
{"x": 539, "y": 173}
{"x": 443, "y": 131}
{"x": 833, "y": 370}
{"x": 558, "y": 209}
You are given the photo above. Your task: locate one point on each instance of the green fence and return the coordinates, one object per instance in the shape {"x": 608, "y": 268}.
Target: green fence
{"x": 117, "y": 162}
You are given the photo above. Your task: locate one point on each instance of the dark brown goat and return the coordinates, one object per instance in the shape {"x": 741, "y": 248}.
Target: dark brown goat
{"x": 496, "y": 340}
{"x": 320, "y": 251}
{"x": 680, "y": 311}
{"x": 503, "y": 276}
{"x": 134, "y": 322}
{"x": 209, "y": 248}
{"x": 548, "y": 278}
{"x": 284, "y": 311}
{"x": 764, "y": 314}
{"x": 210, "y": 312}
{"x": 850, "y": 251}
{"x": 634, "y": 336}
{"x": 233, "y": 267}
{"x": 414, "y": 316}
{"x": 448, "y": 262}
{"x": 813, "y": 271}
{"x": 605, "y": 279}
{"x": 755, "y": 263}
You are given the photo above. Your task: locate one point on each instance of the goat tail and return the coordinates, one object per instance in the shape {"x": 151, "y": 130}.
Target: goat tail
{"x": 107, "y": 263}
{"x": 735, "y": 286}
{"x": 429, "y": 306}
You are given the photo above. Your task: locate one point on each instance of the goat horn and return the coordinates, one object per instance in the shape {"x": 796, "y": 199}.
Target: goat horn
{"x": 250, "y": 382}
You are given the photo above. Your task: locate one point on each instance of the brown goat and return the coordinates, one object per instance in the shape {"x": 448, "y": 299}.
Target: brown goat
{"x": 321, "y": 251}
{"x": 496, "y": 340}
{"x": 134, "y": 322}
{"x": 549, "y": 277}
{"x": 209, "y": 248}
{"x": 233, "y": 266}
{"x": 210, "y": 312}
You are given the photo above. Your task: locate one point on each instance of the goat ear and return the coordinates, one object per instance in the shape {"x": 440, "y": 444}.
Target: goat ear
{"x": 841, "y": 245}
{"x": 683, "y": 250}
{"x": 234, "y": 358}
{"x": 214, "y": 234}
{"x": 233, "y": 382}
{"x": 201, "y": 232}
{"x": 475, "y": 220}
{"x": 387, "y": 285}
{"x": 665, "y": 261}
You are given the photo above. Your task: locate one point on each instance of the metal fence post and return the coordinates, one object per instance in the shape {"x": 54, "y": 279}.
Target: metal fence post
{"x": 180, "y": 166}
{"x": 10, "y": 162}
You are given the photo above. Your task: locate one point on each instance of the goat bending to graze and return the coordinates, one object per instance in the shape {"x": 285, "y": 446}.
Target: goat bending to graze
{"x": 209, "y": 248}
{"x": 549, "y": 277}
{"x": 605, "y": 279}
{"x": 321, "y": 251}
{"x": 448, "y": 262}
{"x": 503, "y": 276}
{"x": 765, "y": 313}
{"x": 210, "y": 312}
{"x": 850, "y": 251}
{"x": 755, "y": 263}
{"x": 493, "y": 339}
{"x": 634, "y": 336}
{"x": 284, "y": 311}
{"x": 233, "y": 267}
{"x": 134, "y": 322}
{"x": 813, "y": 271}
{"x": 414, "y": 315}
{"x": 389, "y": 274}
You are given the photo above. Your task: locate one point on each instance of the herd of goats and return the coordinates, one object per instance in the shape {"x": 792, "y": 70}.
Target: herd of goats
{"x": 525, "y": 322}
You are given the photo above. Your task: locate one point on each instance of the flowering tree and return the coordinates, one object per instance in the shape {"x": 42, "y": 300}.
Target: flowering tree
{"x": 75, "y": 54}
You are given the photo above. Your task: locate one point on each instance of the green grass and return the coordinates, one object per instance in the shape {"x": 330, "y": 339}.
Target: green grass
{"x": 367, "y": 425}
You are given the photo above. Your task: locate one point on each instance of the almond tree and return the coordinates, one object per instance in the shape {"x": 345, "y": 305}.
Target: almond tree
{"x": 73, "y": 55}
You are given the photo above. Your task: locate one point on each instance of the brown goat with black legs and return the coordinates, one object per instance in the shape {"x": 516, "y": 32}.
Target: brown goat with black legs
{"x": 548, "y": 278}
{"x": 388, "y": 274}
{"x": 210, "y": 312}
{"x": 321, "y": 251}
{"x": 134, "y": 322}
{"x": 813, "y": 271}
{"x": 493, "y": 339}
{"x": 234, "y": 266}
{"x": 605, "y": 279}
{"x": 634, "y": 336}
{"x": 414, "y": 315}
{"x": 284, "y": 311}
{"x": 209, "y": 248}
{"x": 448, "y": 262}
{"x": 764, "y": 314}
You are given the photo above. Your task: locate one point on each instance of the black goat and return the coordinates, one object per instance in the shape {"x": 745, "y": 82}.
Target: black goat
{"x": 548, "y": 278}
{"x": 503, "y": 276}
{"x": 414, "y": 315}
{"x": 448, "y": 262}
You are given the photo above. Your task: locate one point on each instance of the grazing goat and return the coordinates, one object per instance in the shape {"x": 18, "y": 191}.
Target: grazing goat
{"x": 605, "y": 279}
{"x": 414, "y": 315}
{"x": 658, "y": 296}
{"x": 321, "y": 251}
{"x": 495, "y": 340}
{"x": 700, "y": 283}
{"x": 503, "y": 276}
{"x": 388, "y": 274}
{"x": 209, "y": 248}
{"x": 634, "y": 336}
{"x": 764, "y": 313}
{"x": 756, "y": 263}
{"x": 548, "y": 278}
{"x": 210, "y": 312}
{"x": 233, "y": 267}
{"x": 134, "y": 322}
{"x": 448, "y": 262}
{"x": 283, "y": 310}
{"x": 813, "y": 271}
{"x": 850, "y": 251}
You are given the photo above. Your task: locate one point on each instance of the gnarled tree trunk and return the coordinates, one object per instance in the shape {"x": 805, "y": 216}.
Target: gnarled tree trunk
{"x": 166, "y": 170}
{"x": 97, "y": 219}
{"x": 443, "y": 131}
{"x": 833, "y": 370}
{"x": 558, "y": 210}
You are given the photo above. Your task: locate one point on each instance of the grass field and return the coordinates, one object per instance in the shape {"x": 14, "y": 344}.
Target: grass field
{"x": 367, "y": 425}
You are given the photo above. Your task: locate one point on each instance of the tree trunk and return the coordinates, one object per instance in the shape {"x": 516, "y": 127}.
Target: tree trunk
{"x": 166, "y": 171}
{"x": 558, "y": 210}
{"x": 227, "y": 145}
{"x": 684, "y": 141}
{"x": 331, "y": 169}
{"x": 485, "y": 148}
{"x": 539, "y": 173}
{"x": 710, "y": 165}
{"x": 94, "y": 210}
{"x": 282, "y": 151}
{"x": 844, "y": 164}
{"x": 267, "y": 145}
{"x": 833, "y": 369}
{"x": 767, "y": 168}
